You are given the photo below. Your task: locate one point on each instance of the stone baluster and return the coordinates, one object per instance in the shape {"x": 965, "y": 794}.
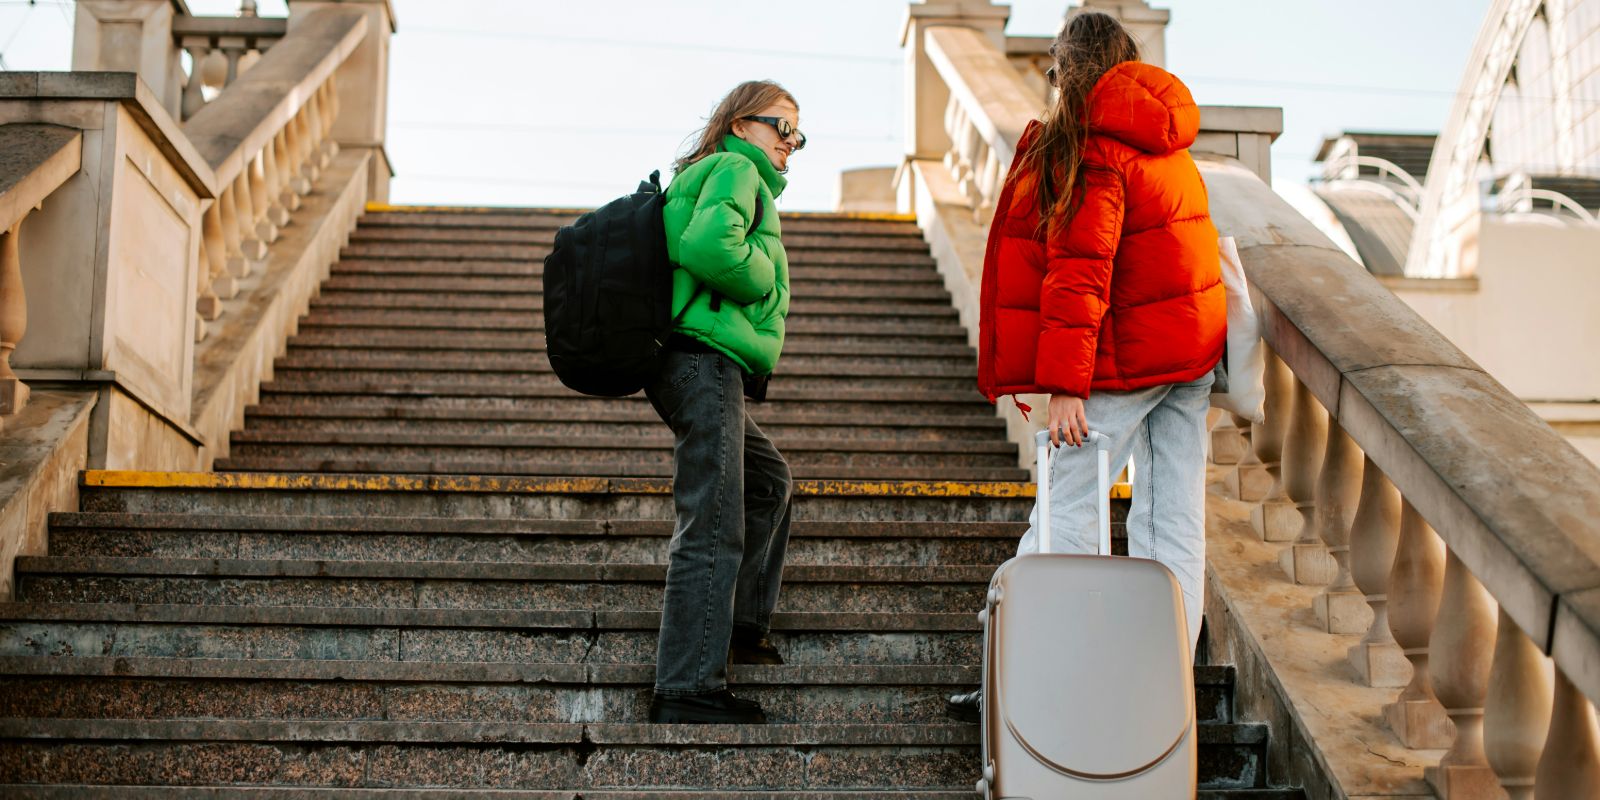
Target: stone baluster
{"x": 233, "y": 48}
{"x": 323, "y": 119}
{"x": 1341, "y": 608}
{"x": 238, "y": 264}
{"x": 1461, "y": 652}
{"x": 215, "y": 243}
{"x": 1374, "y": 540}
{"x": 194, "y": 88}
{"x": 250, "y": 245}
{"x": 309, "y": 144}
{"x": 272, "y": 157}
{"x": 330, "y": 113}
{"x": 207, "y": 306}
{"x": 1570, "y": 766}
{"x": 288, "y": 198}
{"x": 1415, "y": 584}
{"x": 1516, "y": 713}
{"x": 13, "y": 320}
{"x": 1305, "y": 561}
{"x": 261, "y": 199}
{"x": 1276, "y": 518}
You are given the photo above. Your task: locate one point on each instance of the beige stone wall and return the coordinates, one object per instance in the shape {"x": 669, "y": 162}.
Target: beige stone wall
{"x": 1529, "y": 317}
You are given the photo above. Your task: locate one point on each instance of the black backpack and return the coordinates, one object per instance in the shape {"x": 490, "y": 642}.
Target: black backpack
{"x": 608, "y": 294}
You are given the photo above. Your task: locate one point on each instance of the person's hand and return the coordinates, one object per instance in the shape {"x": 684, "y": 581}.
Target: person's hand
{"x": 1067, "y": 423}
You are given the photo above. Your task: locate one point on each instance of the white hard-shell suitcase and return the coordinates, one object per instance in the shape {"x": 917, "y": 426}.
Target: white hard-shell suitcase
{"x": 1087, "y": 683}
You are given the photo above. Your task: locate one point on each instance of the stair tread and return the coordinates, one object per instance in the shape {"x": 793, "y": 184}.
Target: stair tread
{"x": 111, "y": 566}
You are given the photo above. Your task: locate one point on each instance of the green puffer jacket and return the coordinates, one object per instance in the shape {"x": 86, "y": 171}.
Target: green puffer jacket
{"x": 710, "y": 206}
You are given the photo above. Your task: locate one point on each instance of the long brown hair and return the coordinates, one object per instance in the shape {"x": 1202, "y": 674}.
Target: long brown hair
{"x": 1089, "y": 45}
{"x": 746, "y": 99}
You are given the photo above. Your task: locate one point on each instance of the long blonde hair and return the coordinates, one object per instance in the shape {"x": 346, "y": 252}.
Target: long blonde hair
{"x": 746, "y": 99}
{"x": 1089, "y": 45}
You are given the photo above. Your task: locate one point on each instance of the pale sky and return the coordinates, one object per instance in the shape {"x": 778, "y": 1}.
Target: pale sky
{"x": 571, "y": 102}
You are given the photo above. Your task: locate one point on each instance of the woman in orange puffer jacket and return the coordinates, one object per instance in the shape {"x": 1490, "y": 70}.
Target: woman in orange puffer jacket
{"x": 1102, "y": 288}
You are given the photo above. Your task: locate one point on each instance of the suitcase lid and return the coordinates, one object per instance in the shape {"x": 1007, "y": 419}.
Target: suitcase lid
{"x": 1092, "y": 665}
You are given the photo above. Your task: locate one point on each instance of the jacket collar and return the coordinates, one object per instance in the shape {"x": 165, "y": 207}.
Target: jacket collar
{"x": 770, "y": 175}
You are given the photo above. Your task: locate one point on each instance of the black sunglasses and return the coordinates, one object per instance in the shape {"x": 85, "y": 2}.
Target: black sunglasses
{"x": 784, "y": 129}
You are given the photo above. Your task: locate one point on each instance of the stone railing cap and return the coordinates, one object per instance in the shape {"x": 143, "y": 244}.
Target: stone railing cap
{"x": 35, "y": 159}
{"x": 132, "y": 92}
{"x": 1242, "y": 119}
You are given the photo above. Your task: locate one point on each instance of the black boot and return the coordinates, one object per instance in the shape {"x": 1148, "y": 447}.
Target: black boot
{"x": 965, "y": 707}
{"x": 719, "y": 707}
{"x": 750, "y": 646}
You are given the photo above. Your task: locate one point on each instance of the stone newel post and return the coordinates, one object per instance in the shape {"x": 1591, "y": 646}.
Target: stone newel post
{"x": 363, "y": 82}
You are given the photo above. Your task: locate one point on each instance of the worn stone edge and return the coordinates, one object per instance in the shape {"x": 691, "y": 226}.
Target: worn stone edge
{"x": 30, "y": 461}
{"x": 41, "y": 177}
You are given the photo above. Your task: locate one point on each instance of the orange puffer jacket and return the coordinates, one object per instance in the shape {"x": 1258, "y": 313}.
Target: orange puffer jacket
{"x": 1128, "y": 292}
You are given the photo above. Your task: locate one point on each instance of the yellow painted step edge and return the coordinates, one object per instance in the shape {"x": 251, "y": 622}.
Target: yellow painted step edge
{"x": 385, "y": 208}
{"x": 133, "y": 479}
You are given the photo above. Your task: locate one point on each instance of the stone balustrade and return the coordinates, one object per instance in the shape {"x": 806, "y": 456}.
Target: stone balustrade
{"x": 1447, "y": 537}
{"x": 37, "y": 160}
{"x": 220, "y": 49}
{"x": 1415, "y": 434}
{"x": 267, "y": 147}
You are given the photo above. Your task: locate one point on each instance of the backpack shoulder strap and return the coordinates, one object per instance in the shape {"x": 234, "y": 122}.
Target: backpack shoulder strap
{"x": 756, "y": 221}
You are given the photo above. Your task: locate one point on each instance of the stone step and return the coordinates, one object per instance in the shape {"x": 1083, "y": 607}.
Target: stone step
{"x": 882, "y": 409}
{"x": 331, "y": 340}
{"x": 884, "y": 307}
{"x": 123, "y": 792}
{"x": 798, "y": 450}
{"x": 524, "y": 498}
{"x": 468, "y": 585}
{"x": 360, "y": 270}
{"x": 625, "y": 426}
{"x": 94, "y": 687}
{"x": 447, "y": 381}
{"x": 237, "y": 536}
{"x": 865, "y": 237}
{"x": 530, "y": 254}
{"x": 931, "y": 290}
{"x": 57, "y": 630}
{"x": 517, "y": 755}
{"x": 529, "y": 322}
{"x": 540, "y": 243}
{"x": 784, "y": 393}
{"x": 469, "y": 361}
{"x": 547, "y": 219}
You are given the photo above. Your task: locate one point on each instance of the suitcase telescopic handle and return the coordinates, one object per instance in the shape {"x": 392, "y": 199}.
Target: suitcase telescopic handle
{"x": 1101, "y": 444}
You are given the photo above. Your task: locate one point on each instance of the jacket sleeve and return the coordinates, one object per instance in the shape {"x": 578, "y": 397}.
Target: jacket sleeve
{"x": 713, "y": 247}
{"x": 1077, "y": 286}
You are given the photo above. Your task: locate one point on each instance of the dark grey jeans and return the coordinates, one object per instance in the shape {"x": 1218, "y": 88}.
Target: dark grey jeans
{"x": 731, "y": 489}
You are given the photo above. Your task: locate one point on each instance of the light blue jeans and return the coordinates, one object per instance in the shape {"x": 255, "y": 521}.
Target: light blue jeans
{"x": 1163, "y": 428}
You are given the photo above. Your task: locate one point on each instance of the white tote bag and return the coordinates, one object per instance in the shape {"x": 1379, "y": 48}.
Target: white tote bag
{"x": 1241, "y": 376}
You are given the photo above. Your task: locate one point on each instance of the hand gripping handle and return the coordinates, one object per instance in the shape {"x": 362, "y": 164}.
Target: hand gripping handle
{"x": 1103, "y": 495}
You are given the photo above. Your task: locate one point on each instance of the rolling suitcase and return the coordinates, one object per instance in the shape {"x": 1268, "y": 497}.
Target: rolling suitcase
{"x": 1087, "y": 684}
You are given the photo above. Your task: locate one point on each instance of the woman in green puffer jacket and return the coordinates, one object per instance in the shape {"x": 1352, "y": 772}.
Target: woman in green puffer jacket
{"x": 730, "y": 486}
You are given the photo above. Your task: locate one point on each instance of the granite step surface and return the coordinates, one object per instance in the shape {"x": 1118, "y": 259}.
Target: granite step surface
{"x": 262, "y": 425}
{"x": 327, "y": 340}
{"x": 869, "y": 275}
{"x": 839, "y": 290}
{"x": 599, "y": 755}
{"x": 878, "y": 408}
{"x": 518, "y": 541}
{"x": 851, "y": 321}
{"x": 270, "y": 793}
{"x": 535, "y": 363}
{"x": 817, "y": 251}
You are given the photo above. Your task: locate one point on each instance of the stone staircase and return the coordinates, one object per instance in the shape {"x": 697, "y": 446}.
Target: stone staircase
{"x": 427, "y": 570}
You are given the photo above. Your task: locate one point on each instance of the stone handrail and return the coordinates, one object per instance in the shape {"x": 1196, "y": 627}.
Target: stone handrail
{"x": 990, "y": 107}
{"x": 220, "y": 49}
{"x": 1379, "y": 432}
{"x": 266, "y": 139}
{"x": 34, "y": 161}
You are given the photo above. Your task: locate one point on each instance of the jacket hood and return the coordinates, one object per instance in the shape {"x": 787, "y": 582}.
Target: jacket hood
{"x": 1145, "y": 106}
{"x": 770, "y": 175}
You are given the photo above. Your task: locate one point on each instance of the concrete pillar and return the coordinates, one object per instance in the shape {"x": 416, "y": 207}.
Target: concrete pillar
{"x": 926, "y": 95}
{"x": 1242, "y": 132}
{"x": 363, "y": 83}
{"x": 1148, "y": 25}
{"x": 131, "y": 36}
